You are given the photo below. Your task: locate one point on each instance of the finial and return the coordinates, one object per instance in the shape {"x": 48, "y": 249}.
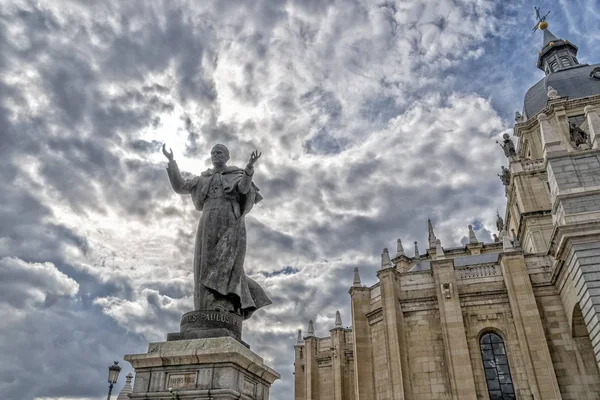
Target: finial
{"x": 431, "y": 234}
{"x": 385, "y": 259}
{"x": 299, "y": 340}
{"x": 311, "y": 328}
{"x": 496, "y": 238}
{"x": 439, "y": 252}
{"x": 518, "y": 117}
{"x": 123, "y": 395}
{"x": 541, "y": 21}
{"x": 356, "y": 280}
{"x": 399, "y": 249}
{"x": 417, "y": 255}
{"x": 472, "y": 237}
{"x": 338, "y": 320}
{"x": 552, "y": 93}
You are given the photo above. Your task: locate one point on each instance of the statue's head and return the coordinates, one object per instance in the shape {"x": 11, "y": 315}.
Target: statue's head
{"x": 506, "y": 136}
{"x": 219, "y": 155}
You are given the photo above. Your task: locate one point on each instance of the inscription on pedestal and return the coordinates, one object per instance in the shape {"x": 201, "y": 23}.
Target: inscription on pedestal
{"x": 211, "y": 316}
{"x": 213, "y": 323}
{"x": 185, "y": 380}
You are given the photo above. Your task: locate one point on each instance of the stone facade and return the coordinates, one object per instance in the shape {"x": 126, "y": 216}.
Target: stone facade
{"x": 421, "y": 331}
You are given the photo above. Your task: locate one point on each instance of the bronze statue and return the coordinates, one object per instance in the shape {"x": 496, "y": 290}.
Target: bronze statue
{"x": 225, "y": 195}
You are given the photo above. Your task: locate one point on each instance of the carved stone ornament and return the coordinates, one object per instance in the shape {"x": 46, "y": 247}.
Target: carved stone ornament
{"x": 595, "y": 73}
{"x": 552, "y": 93}
{"x": 505, "y": 176}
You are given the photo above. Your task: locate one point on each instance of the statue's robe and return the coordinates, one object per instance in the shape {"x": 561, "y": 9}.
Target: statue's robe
{"x": 224, "y": 198}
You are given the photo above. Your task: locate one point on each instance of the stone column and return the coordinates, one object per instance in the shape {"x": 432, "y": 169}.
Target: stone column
{"x": 454, "y": 335}
{"x": 394, "y": 332}
{"x": 200, "y": 369}
{"x": 337, "y": 357}
{"x": 363, "y": 361}
{"x": 299, "y": 372}
{"x": 310, "y": 346}
{"x": 528, "y": 324}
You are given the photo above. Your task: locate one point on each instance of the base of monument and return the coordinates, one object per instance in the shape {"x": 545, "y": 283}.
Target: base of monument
{"x": 203, "y": 334}
{"x": 201, "y": 324}
{"x": 199, "y": 369}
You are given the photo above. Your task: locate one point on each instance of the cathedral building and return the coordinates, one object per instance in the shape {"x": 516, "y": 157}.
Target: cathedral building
{"x": 518, "y": 318}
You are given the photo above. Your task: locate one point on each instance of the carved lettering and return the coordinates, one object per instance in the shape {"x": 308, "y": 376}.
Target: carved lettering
{"x": 182, "y": 380}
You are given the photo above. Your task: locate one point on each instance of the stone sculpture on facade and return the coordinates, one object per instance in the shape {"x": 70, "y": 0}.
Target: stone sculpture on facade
{"x": 499, "y": 222}
{"x": 578, "y": 135}
{"x": 518, "y": 117}
{"x": 508, "y": 146}
{"x": 223, "y": 294}
{"x": 505, "y": 175}
{"x": 552, "y": 93}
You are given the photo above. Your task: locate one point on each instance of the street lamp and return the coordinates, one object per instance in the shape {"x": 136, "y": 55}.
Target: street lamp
{"x": 113, "y": 375}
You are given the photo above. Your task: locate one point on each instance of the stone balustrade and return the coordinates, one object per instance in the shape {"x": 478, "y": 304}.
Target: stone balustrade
{"x": 478, "y": 271}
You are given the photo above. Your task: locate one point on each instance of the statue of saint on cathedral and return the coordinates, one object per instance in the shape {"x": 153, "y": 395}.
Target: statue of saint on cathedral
{"x": 578, "y": 135}
{"x": 225, "y": 195}
{"x": 508, "y": 146}
{"x": 505, "y": 175}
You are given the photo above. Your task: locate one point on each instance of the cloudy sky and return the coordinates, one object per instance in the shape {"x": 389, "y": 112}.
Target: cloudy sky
{"x": 371, "y": 116}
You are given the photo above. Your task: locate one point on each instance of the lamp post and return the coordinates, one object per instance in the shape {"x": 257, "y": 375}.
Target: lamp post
{"x": 113, "y": 375}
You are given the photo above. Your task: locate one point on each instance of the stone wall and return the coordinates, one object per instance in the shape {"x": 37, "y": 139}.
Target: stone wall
{"x": 573, "y": 358}
{"x": 428, "y": 372}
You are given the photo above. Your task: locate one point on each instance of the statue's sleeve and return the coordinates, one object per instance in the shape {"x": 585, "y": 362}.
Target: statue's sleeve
{"x": 179, "y": 184}
{"x": 246, "y": 182}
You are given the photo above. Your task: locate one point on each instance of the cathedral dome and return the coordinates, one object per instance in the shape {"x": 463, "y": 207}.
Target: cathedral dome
{"x": 573, "y": 83}
{"x": 558, "y": 60}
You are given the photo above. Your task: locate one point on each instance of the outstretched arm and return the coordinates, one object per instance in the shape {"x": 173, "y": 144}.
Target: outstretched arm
{"x": 178, "y": 183}
{"x": 246, "y": 182}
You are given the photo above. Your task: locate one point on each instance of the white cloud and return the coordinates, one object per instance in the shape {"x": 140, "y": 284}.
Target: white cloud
{"x": 27, "y": 285}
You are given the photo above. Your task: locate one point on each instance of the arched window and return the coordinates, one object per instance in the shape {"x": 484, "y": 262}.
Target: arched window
{"x": 495, "y": 364}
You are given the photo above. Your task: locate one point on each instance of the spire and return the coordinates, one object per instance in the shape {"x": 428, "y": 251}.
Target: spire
{"x": 417, "y": 256}
{"x": 548, "y": 37}
{"x": 399, "y": 249}
{"x": 385, "y": 259}
{"x": 311, "y": 328}
{"x": 556, "y": 54}
{"x": 126, "y": 388}
{"x": 338, "y": 320}
{"x": 299, "y": 340}
{"x": 356, "y": 280}
{"x": 472, "y": 237}
{"x": 431, "y": 234}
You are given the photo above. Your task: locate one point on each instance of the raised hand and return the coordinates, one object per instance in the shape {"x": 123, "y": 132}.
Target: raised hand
{"x": 168, "y": 154}
{"x": 253, "y": 158}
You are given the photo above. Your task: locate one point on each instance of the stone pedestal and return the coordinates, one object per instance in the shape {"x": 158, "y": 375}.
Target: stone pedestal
{"x": 200, "y": 369}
